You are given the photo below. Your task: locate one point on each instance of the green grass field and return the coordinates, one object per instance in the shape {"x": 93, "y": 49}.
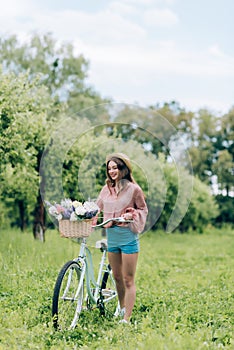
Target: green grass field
{"x": 185, "y": 295}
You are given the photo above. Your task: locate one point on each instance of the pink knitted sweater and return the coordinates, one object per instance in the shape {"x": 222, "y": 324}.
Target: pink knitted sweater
{"x": 129, "y": 199}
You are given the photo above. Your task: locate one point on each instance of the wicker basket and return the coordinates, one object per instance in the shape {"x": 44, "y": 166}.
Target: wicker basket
{"x": 76, "y": 229}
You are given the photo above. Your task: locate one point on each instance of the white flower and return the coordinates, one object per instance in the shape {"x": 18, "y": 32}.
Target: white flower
{"x": 53, "y": 211}
{"x": 80, "y": 211}
{"x": 66, "y": 203}
{"x": 90, "y": 206}
{"x": 59, "y": 217}
{"x": 76, "y": 204}
{"x": 73, "y": 210}
{"x": 73, "y": 216}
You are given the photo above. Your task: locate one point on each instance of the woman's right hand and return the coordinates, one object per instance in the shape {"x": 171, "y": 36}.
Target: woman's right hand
{"x": 127, "y": 216}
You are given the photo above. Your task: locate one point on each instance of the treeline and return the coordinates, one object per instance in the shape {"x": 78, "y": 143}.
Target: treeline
{"x": 50, "y": 116}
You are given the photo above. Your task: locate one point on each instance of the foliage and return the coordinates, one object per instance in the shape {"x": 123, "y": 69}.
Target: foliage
{"x": 61, "y": 70}
{"x": 196, "y": 214}
{"x": 40, "y": 75}
{"x": 23, "y": 127}
{"x": 205, "y": 134}
{"x": 224, "y": 171}
{"x": 212, "y": 148}
{"x": 43, "y": 77}
{"x": 226, "y": 210}
{"x": 184, "y": 295}
{"x": 202, "y": 209}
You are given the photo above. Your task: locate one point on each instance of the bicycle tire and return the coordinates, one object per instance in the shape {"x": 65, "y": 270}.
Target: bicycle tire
{"x": 109, "y": 297}
{"x": 66, "y": 306}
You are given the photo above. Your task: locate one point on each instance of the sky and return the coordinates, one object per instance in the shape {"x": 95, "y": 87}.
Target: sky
{"x": 141, "y": 51}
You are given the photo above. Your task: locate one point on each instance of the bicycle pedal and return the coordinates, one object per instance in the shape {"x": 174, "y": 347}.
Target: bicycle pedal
{"x": 107, "y": 292}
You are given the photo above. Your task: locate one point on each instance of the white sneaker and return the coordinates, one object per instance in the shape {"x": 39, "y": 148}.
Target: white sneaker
{"x": 123, "y": 321}
{"x": 119, "y": 312}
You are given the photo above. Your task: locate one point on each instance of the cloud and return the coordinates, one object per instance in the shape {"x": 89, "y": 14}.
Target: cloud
{"x": 160, "y": 18}
{"x": 110, "y": 40}
{"x": 122, "y": 8}
{"x": 150, "y": 2}
{"x": 126, "y": 59}
{"x": 165, "y": 57}
{"x": 161, "y": 73}
{"x": 13, "y": 8}
{"x": 104, "y": 27}
{"x": 215, "y": 51}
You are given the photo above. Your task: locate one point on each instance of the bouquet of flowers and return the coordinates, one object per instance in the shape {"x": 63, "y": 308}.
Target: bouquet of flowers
{"x": 72, "y": 210}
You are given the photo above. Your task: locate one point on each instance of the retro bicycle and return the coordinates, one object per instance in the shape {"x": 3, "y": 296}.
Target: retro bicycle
{"x": 77, "y": 289}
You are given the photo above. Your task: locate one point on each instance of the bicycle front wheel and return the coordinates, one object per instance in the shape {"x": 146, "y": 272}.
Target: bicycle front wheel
{"x": 68, "y": 296}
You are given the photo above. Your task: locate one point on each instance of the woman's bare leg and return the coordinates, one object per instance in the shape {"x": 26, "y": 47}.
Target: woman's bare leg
{"x": 124, "y": 269}
{"x": 115, "y": 260}
{"x": 129, "y": 263}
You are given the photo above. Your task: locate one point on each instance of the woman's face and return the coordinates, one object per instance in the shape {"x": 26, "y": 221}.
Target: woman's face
{"x": 113, "y": 170}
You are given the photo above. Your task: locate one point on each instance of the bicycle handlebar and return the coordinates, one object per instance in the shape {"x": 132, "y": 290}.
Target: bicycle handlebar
{"x": 118, "y": 219}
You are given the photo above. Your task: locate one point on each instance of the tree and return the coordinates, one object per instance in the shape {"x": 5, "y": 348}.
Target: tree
{"x": 62, "y": 71}
{"x": 224, "y": 170}
{"x": 202, "y": 149}
{"x": 226, "y": 212}
{"x": 23, "y": 126}
{"x": 223, "y": 165}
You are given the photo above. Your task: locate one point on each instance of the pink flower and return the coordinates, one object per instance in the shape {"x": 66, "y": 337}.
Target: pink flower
{"x": 59, "y": 208}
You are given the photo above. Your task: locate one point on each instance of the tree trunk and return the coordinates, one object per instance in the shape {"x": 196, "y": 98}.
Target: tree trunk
{"x": 227, "y": 189}
{"x": 22, "y": 218}
{"x": 39, "y": 220}
{"x": 39, "y": 212}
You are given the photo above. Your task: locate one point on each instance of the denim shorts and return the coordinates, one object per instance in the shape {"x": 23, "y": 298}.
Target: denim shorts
{"x": 122, "y": 240}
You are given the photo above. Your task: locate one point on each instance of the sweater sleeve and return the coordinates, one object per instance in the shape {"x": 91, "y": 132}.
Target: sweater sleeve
{"x": 99, "y": 203}
{"x": 139, "y": 212}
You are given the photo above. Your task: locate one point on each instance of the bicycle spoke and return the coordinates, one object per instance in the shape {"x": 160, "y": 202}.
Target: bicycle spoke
{"x": 68, "y": 296}
{"x": 109, "y": 293}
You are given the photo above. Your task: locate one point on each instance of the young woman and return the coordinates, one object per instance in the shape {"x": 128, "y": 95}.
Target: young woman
{"x": 121, "y": 196}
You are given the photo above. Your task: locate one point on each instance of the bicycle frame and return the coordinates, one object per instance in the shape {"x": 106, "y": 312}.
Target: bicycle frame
{"x": 86, "y": 263}
{"x": 78, "y": 276}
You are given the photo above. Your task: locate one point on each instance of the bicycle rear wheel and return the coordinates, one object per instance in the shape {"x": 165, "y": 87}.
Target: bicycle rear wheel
{"x": 109, "y": 297}
{"x": 68, "y": 296}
